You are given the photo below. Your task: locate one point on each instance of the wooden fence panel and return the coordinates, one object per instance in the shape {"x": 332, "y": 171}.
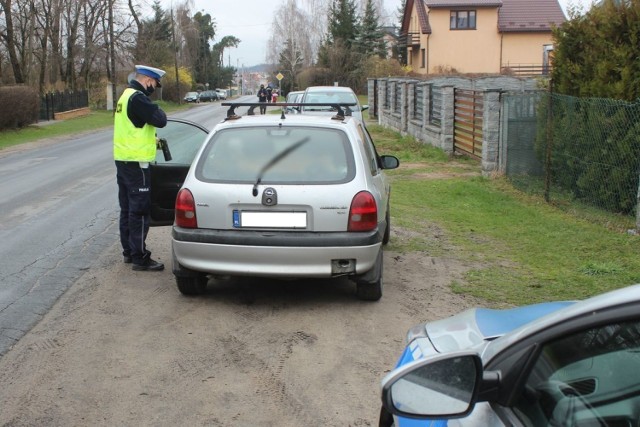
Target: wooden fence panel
{"x": 467, "y": 126}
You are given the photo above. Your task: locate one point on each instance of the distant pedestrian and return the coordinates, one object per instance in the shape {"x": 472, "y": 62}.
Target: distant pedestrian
{"x": 262, "y": 98}
{"x": 274, "y": 96}
{"x": 269, "y": 91}
{"x": 134, "y": 147}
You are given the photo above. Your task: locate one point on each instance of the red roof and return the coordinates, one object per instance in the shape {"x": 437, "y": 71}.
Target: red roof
{"x": 465, "y": 3}
{"x": 527, "y": 15}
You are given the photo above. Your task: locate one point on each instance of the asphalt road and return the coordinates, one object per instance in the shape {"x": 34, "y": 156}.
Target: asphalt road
{"x": 59, "y": 210}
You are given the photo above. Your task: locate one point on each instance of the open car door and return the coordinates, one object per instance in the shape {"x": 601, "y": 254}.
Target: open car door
{"x": 184, "y": 139}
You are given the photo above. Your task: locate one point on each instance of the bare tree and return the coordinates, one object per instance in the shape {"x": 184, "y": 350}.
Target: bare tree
{"x": 288, "y": 24}
{"x": 9, "y": 38}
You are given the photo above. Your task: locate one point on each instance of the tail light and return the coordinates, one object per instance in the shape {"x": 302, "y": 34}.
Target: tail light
{"x": 363, "y": 214}
{"x": 186, "y": 210}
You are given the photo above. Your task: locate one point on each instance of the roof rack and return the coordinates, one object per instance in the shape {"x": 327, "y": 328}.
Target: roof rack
{"x": 338, "y": 106}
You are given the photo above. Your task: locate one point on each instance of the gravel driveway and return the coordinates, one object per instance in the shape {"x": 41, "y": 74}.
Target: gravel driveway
{"x": 125, "y": 348}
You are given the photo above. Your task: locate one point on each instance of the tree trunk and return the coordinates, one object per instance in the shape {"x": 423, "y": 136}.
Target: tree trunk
{"x": 9, "y": 37}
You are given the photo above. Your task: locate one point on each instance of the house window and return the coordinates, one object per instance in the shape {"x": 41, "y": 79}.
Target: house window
{"x": 423, "y": 56}
{"x": 462, "y": 20}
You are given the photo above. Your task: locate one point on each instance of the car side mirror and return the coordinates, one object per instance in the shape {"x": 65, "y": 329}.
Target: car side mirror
{"x": 365, "y": 107}
{"x": 440, "y": 387}
{"x": 389, "y": 162}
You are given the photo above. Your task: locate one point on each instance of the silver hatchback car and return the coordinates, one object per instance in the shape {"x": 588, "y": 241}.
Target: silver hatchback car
{"x": 282, "y": 196}
{"x": 329, "y": 95}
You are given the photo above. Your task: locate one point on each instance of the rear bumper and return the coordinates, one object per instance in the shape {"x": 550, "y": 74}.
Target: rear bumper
{"x": 275, "y": 254}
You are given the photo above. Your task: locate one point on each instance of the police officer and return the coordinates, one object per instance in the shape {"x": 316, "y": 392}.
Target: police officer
{"x": 134, "y": 147}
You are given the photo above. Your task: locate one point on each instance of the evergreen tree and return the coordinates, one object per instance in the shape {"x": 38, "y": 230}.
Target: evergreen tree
{"x": 156, "y": 38}
{"x": 596, "y": 55}
{"x": 370, "y": 39}
{"x": 290, "y": 62}
{"x": 204, "y": 66}
{"x": 343, "y": 22}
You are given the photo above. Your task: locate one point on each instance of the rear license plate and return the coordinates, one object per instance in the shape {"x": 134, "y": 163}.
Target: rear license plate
{"x": 251, "y": 219}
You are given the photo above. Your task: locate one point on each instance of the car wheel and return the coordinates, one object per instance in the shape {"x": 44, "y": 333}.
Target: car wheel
{"x": 387, "y": 230}
{"x": 371, "y": 290}
{"x": 191, "y": 285}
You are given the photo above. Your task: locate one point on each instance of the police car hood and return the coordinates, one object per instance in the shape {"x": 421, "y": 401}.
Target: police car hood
{"x": 476, "y": 326}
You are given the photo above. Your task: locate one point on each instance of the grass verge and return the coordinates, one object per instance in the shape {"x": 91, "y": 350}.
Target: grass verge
{"x": 520, "y": 249}
{"x": 55, "y": 128}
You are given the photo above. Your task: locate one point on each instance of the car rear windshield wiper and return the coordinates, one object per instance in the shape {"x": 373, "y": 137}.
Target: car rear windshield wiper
{"x": 275, "y": 160}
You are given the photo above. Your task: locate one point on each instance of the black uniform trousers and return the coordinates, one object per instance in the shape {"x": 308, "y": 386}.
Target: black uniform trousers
{"x": 134, "y": 195}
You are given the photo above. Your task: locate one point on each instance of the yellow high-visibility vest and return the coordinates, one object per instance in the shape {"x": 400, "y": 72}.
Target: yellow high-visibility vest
{"x": 129, "y": 142}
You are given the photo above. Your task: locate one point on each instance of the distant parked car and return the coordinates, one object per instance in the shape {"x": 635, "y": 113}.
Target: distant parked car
{"x": 191, "y": 97}
{"x": 331, "y": 94}
{"x": 292, "y": 97}
{"x": 208, "y": 96}
{"x": 222, "y": 93}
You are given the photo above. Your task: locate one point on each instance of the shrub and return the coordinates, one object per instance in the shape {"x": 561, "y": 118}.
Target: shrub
{"x": 19, "y": 106}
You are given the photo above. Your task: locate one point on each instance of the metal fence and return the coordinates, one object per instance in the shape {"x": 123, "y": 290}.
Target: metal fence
{"x": 574, "y": 150}
{"x": 435, "y": 105}
{"x": 57, "y": 102}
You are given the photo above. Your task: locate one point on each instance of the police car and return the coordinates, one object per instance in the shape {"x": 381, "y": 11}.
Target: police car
{"x": 551, "y": 364}
{"x": 275, "y": 195}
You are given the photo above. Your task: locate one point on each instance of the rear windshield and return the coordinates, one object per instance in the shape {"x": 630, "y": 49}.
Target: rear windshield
{"x": 298, "y": 155}
{"x": 329, "y": 97}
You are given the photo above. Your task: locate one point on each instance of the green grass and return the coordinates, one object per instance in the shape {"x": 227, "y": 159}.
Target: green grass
{"x": 55, "y": 128}
{"x": 518, "y": 248}
{"x": 93, "y": 121}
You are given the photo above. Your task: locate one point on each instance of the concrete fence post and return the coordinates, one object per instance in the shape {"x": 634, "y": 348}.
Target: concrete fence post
{"x": 404, "y": 105}
{"x": 382, "y": 104}
{"x": 426, "y": 104}
{"x": 372, "y": 98}
{"x": 448, "y": 116}
{"x": 490, "y": 131}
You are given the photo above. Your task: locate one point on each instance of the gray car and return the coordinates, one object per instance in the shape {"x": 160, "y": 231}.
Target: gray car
{"x": 295, "y": 196}
{"x": 329, "y": 95}
{"x": 292, "y": 98}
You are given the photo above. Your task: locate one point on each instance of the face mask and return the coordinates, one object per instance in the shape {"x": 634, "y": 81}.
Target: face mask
{"x": 150, "y": 89}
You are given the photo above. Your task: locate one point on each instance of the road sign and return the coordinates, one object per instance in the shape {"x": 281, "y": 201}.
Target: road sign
{"x": 279, "y": 76}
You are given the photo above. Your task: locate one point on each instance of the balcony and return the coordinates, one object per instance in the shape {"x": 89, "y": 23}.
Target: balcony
{"x": 409, "y": 39}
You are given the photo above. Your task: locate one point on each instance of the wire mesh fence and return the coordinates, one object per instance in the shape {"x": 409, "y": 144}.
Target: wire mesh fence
{"x": 575, "y": 151}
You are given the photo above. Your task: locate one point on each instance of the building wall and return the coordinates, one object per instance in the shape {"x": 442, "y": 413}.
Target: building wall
{"x": 524, "y": 48}
{"x": 466, "y": 51}
{"x": 483, "y": 50}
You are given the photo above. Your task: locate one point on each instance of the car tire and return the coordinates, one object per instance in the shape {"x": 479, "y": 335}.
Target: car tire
{"x": 371, "y": 290}
{"x": 387, "y": 231}
{"x": 191, "y": 285}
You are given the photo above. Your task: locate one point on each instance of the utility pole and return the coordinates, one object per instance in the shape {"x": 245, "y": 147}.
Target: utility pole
{"x": 175, "y": 56}
{"x": 112, "y": 55}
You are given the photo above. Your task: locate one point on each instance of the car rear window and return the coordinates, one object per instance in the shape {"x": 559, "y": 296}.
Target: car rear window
{"x": 298, "y": 155}
{"x": 329, "y": 97}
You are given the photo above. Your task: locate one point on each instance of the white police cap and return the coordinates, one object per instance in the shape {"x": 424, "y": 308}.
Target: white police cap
{"x": 152, "y": 72}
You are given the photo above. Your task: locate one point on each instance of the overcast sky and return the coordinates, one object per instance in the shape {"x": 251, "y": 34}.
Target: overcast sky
{"x": 250, "y": 21}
